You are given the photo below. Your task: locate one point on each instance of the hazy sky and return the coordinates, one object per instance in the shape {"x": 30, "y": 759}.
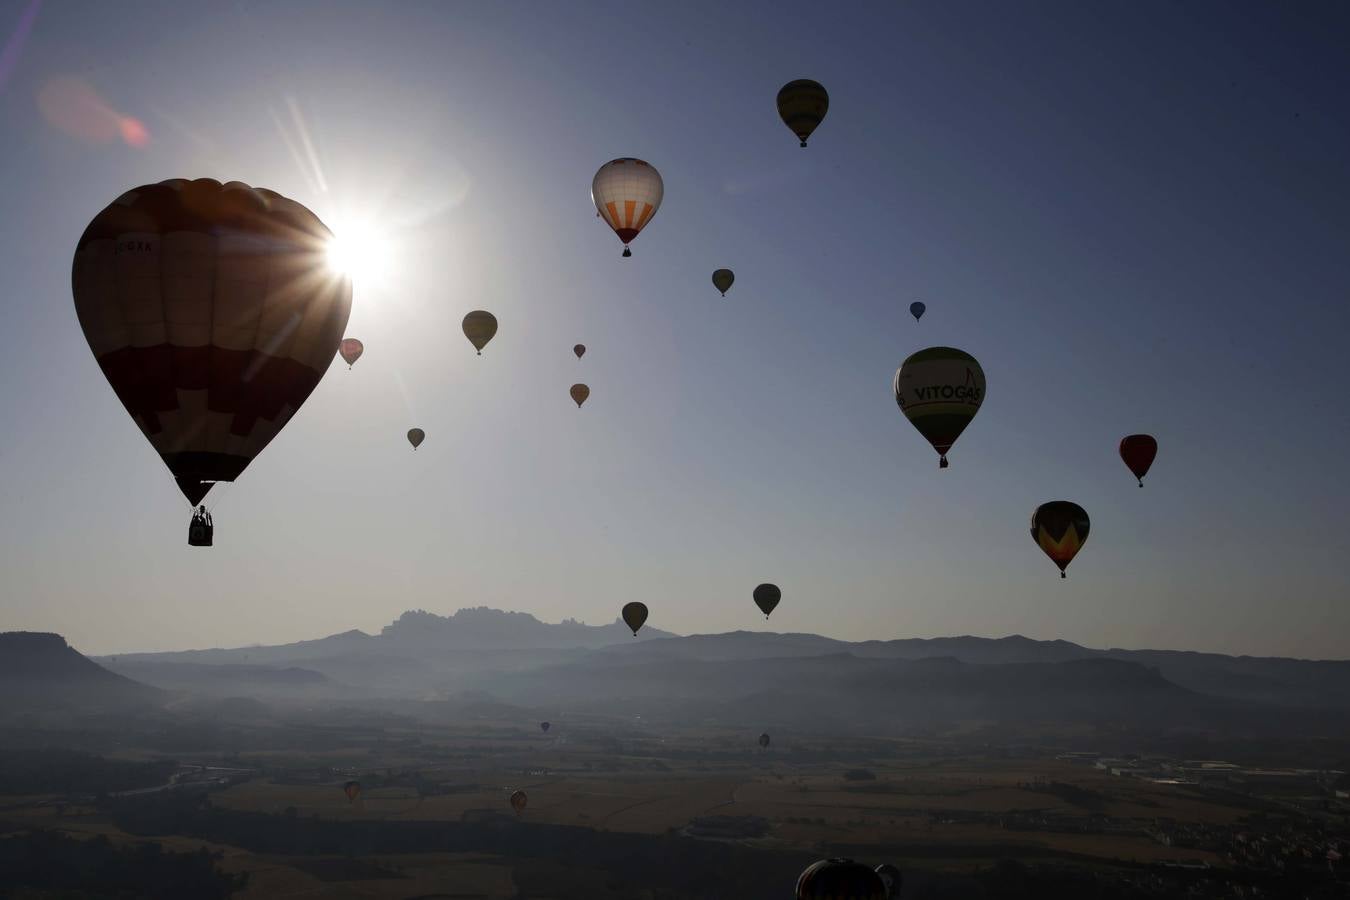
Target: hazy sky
{"x": 1135, "y": 215}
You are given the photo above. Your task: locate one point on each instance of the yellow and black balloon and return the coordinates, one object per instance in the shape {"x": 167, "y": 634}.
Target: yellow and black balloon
{"x": 1060, "y": 528}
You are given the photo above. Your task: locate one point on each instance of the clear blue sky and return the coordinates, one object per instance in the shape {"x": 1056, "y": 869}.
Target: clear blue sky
{"x": 1134, "y": 215}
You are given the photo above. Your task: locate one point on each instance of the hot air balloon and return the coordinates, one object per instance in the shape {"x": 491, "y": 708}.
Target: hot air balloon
{"x": 213, "y": 315}
{"x": 917, "y": 309}
{"x": 634, "y": 615}
{"x": 802, "y": 105}
{"x": 351, "y": 350}
{"x": 479, "y": 327}
{"x": 722, "y": 280}
{"x": 940, "y": 390}
{"x": 891, "y": 877}
{"x": 518, "y": 801}
{"x": 767, "y": 597}
{"x": 579, "y": 393}
{"x": 416, "y": 436}
{"x": 1138, "y": 451}
{"x": 579, "y": 350}
{"x": 764, "y": 740}
{"x": 353, "y": 790}
{"x": 544, "y": 727}
{"x": 627, "y": 193}
{"x": 839, "y": 879}
{"x": 1060, "y": 528}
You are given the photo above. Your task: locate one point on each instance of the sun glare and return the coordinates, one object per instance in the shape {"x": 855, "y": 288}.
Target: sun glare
{"x": 360, "y": 252}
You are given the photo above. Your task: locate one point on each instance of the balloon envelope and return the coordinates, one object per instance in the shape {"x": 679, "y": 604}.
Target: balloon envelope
{"x": 767, "y": 597}
{"x": 579, "y": 350}
{"x": 544, "y": 726}
{"x": 839, "y": 879}
{"x": 634, "y": 615}
{"x": 722, "y": 280}
{"x": 416, "y": 436}
{"x": 917, "y": 309}
{"x": 351, "y": 350}
{"x": 764, "y": 740}
{"x": 1138, "y": 451}
{"x": 939, "y": 390}
{"x": 479, "y": 327}
{"x": 802, "y": 105}
{"x": 519, "y": 801}
{"x": 353, "y": 790}
{"x": 213, "y": 314}
{"x": 1060, "y": 528}
{"x": 579, "y": 393}
{"x": 627, "y": 193}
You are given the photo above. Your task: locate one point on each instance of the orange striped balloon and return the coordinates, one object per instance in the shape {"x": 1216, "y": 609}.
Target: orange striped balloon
{"x": 627, "y": 193}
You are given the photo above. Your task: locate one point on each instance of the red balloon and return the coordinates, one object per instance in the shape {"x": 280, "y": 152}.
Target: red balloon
{"x": 1138, "y": 451}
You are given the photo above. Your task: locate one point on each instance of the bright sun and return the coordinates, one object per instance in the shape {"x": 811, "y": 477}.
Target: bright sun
{"x": 359, "y": 252}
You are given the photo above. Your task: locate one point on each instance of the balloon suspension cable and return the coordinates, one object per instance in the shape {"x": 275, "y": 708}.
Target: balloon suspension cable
{"x": 627, "y": 252}
{"x": 942, "y": 461}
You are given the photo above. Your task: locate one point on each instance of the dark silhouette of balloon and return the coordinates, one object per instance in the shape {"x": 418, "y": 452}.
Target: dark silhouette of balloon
{"x": 353, "y": 790}
{"x": 634, "y": 615}
{"x": 518, "y": 801}
{"x": 917, "y": 309}
{"x": 544, "y": 727}
{"x": 627, "y": 193}
{"x": 579, "y": 350}
{"x": 579, "y": 393}
{"x": 767, "y": 597}
{"x": 351, "y": 350}
{"x": 1060, "y": 529}
{"x": 722, "y": 280}
{"x": 940, "y": 390}
{"x": 839, "y": 879}
{"x": 802, "y": 105}
{"x": 764, "y": 740}
{"x": 213, "y": 314}
{"x": 891, "y": 877}
{"x": 1138, "y": 451}
{"x": 416, "y": 436}
{"x": 479, "y": 327}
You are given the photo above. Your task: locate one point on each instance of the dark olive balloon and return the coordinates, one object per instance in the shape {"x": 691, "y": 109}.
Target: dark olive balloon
{"x": 634, "y": 615}
{"x": 767, "y": 597}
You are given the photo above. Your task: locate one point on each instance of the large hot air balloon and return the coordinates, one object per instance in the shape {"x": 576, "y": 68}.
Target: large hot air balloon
{"x": 940, "y": 390}
{"x": 1138, "y": 451}
{"x": 518, "y": 801}
{"x": 627, "y": 193}
{"x": 1060, "y": 528}
{"x": 212, "y": 312}
{"x": 416, "y": 436}
{"x": 767, "y": 597}
{"x": 802, "y": 105}
{"x": 351, "y": 350}
{"x": 544, "y": 727}
{"x": 839, "y": 879}
{"x": 764, "y": 740}
{"x": 722, "y": 280}
{"x": 634, "y": 615}
{"x": 579, "y": 350}
{"x": 917, "y": 309}
{"x": 353, "y": 790}
{"x": 479, "y": 327}
{"x": 579, "y": 393}
{"x": 891, "y": 877}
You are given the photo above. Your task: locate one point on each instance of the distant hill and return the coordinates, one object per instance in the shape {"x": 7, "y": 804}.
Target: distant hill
{"x": 41, "y": 672}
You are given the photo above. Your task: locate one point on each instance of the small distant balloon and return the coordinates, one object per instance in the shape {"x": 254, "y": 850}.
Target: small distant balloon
{"x": 518, "y": 801}
{"x": 802, "y": 105}
{"x": 722, "y": 280}
{"x": 351, "y": 350}
{"x": 1138, "y": 451}
{"x": 479, "y": 327}
{"x": 767, "y": 597}
{"x": 544, "y": 727}
{"x": 353, "y": 790}
{"x": 764, "y": 740}
{"x": 634, "y": 615}
{"x": 579, "y": 350}
{"x": 416, "y": 436}
{"x": 1060, "y": 528}
{"x": 579, "y": 393}
{"x": 916, "y": 309}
